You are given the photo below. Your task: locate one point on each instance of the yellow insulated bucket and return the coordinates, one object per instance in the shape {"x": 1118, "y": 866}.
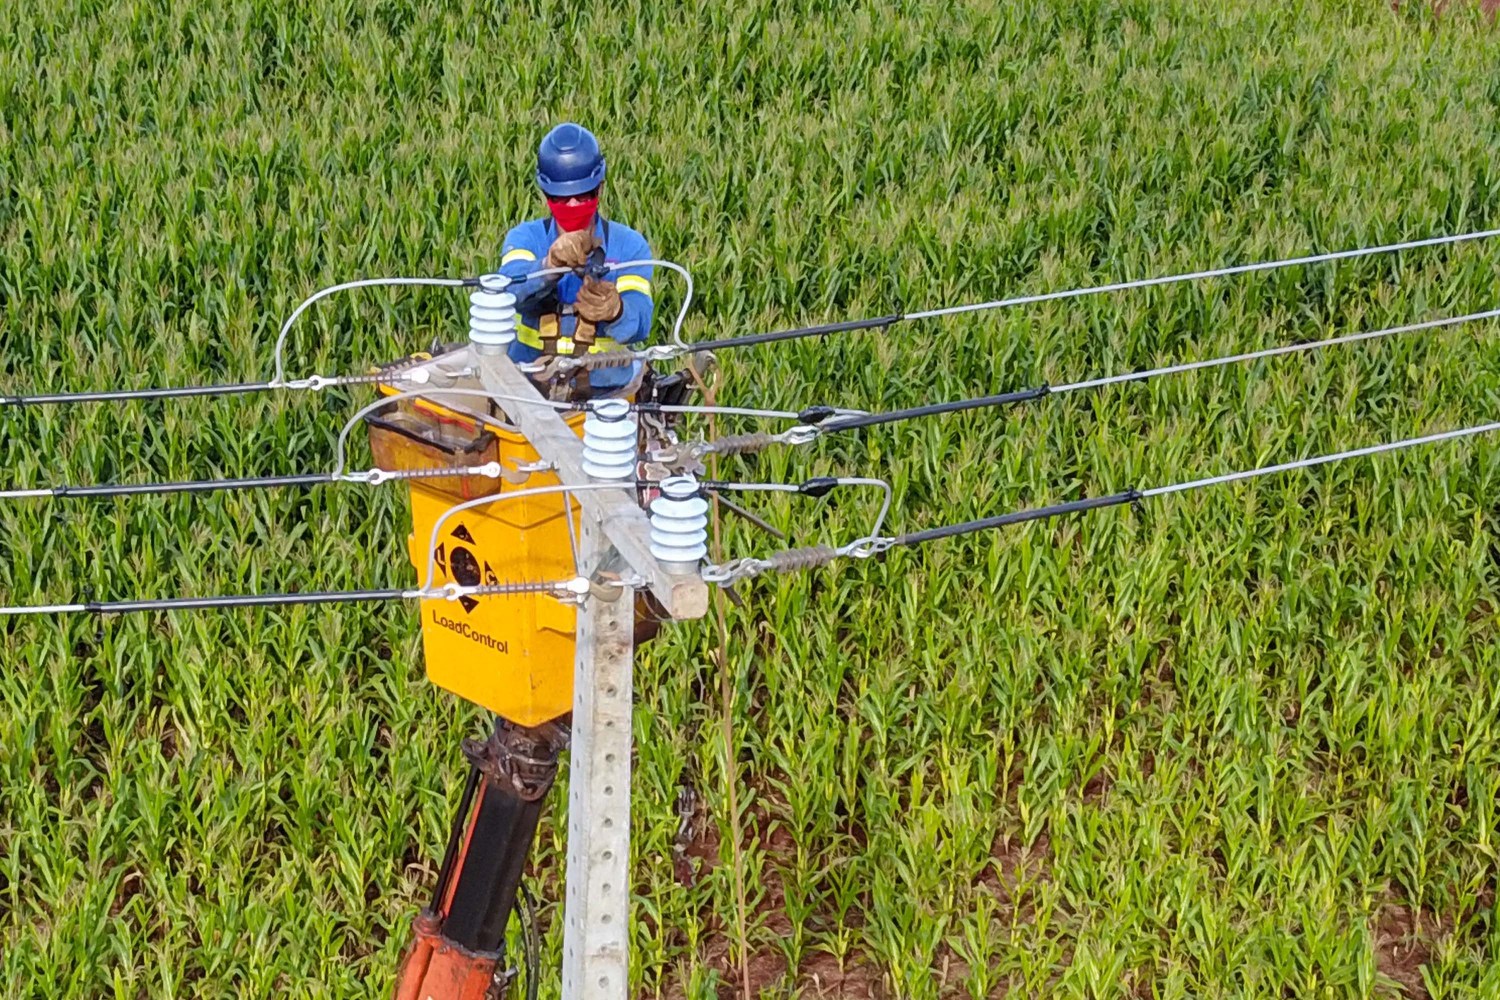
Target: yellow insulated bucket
{"x": 511, "y": 653}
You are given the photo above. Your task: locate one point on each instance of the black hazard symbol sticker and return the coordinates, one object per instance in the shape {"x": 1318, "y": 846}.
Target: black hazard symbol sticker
{"x": 461, "y": 565}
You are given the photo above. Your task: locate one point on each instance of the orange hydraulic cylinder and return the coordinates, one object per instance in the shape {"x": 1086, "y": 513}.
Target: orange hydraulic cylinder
{"x": 438, "y": 969}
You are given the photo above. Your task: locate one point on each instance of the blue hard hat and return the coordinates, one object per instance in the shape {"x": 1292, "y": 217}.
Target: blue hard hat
{"x": 569, "y": 162}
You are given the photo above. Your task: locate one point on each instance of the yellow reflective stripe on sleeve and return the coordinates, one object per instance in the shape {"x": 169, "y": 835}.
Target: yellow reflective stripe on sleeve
{"x": 633, "y": 283}
{"x": 600, "y": 344}
{"x": 517, "y": 254}
{"x": 533, "y": 339}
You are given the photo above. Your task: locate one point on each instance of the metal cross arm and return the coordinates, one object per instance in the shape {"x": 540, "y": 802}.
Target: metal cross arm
{"x": 624, "y": 523}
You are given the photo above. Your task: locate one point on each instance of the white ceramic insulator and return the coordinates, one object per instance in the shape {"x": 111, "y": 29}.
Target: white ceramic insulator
{"x": 679, "y": 523}
{"x": 610, "y": 441}
{"x": 492, "y": 312}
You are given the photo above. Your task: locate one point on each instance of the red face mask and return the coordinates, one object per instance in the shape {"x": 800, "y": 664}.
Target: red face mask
{"x": 571, "y": 218}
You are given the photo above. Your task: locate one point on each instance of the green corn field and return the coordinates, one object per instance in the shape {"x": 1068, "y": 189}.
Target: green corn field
{"x": 1243, "y": 742}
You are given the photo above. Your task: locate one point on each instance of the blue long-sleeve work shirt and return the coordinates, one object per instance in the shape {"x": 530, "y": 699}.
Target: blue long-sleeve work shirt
{"x": 550, "y": 300}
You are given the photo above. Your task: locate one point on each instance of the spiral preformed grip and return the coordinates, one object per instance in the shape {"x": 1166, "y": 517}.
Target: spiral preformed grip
{"x": 679, "y": 524}
{"x": 610, "y": 441}
{"x": 607, "y": 359}
{"x": 492, "y": 312}
{"x": 792, "y": 560}
{"x": 740, "y": 444}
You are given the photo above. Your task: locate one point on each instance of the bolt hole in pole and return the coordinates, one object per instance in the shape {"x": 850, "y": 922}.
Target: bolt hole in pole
{"x": 598, "y": 895}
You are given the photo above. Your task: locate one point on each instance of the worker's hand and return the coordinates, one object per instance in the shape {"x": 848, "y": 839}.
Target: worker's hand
{"x": 571, "y": 249}
{"x": 598, "y": 301}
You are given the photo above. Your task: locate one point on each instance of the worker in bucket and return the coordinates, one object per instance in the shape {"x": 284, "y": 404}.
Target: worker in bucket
{"x": 575, "y": 314}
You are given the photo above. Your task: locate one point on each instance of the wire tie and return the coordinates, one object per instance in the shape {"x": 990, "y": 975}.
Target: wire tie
{"x": 593, "y": 408}
{"x": 816, "y": 414}
{"x": 819, "y": 486}
{"x": 99, "y": 621}
{"x": 91, "y": 606}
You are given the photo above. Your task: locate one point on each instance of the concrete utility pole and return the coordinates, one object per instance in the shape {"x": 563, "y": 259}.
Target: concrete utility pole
{"x": 614, "y": 543}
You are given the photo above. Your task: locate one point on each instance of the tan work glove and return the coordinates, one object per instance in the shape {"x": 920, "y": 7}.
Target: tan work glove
{"x": 584, "y": 337}
{"x": 598, "y": 301}
{"x": 571, "y": 249}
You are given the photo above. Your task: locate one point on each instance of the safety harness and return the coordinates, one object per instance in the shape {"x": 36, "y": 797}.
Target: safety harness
{"x": 548, "y": 338}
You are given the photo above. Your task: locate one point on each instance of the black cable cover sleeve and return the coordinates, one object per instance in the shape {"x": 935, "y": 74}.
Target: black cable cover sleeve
{"x": 1018, "y": 517}
{"x": 815, "y": 414}
{"x": 819, "y": 486}
{"x": 872, "y": 419}
{"x": 794, "y": 334}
